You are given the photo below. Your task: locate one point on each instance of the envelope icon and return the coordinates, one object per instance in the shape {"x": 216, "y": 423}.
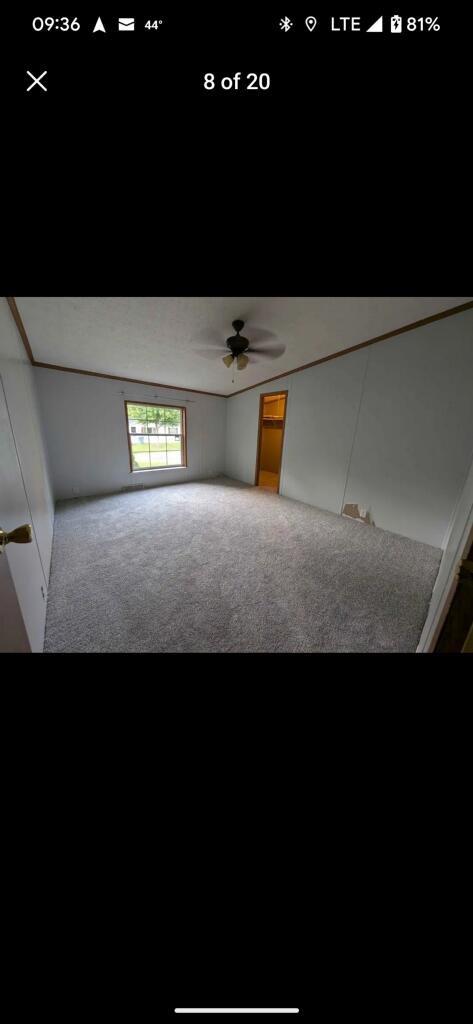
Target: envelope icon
{"x": 126, "y": 24}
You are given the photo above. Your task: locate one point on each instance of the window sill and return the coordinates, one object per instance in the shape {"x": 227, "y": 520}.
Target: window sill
{"x": 156, "y": 469}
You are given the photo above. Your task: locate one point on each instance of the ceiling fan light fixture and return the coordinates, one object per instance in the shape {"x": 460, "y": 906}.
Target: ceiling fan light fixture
{"x": 242, "y": 361}
{"x": 228, "y": 360}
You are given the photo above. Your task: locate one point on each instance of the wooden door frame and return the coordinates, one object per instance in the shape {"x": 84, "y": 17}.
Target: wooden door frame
{"x": 269, "y": 394}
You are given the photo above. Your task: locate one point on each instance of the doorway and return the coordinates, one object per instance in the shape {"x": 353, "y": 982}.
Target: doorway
{"x": 272, "y": 419}
{"x": 457, "y": 631}
{"x": 22, "y": 580}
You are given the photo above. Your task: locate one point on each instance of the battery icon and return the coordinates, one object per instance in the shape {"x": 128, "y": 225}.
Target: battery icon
{"x": 396, "y": 23}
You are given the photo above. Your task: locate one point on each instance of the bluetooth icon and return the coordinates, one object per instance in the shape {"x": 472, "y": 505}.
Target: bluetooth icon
{"x": 285, "y": 24}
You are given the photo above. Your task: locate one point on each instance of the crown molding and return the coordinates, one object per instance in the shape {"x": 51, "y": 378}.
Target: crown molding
{"x": 215, "y": 394}
{"x": 363, "y": 344}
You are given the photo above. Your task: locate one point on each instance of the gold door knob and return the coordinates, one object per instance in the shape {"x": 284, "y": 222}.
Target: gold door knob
{"x": 22, "y": 535}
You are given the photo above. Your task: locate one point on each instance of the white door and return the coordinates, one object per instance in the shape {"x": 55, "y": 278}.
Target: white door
{"x": 23, "y": 587}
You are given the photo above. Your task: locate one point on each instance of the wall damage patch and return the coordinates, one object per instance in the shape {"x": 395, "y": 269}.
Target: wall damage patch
{"x": 362, "y": 515}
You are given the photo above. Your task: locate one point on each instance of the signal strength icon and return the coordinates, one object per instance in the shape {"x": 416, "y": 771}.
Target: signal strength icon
{"x": 377, "y": 26}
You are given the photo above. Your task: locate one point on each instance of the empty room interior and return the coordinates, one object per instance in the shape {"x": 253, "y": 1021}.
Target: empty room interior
{"x": 236, "y": 475}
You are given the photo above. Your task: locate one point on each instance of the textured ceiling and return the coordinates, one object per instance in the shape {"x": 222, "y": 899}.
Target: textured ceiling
{"x": 158, "y": 339}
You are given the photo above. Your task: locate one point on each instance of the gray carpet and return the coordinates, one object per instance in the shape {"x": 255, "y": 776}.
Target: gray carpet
{"x": 219, "y": 566}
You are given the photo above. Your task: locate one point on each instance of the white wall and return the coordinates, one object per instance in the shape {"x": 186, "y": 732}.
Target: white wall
{"x": 389, "y": 427}
{"x": 20, "y": 393}
{"x": 241, "y": 434}
{"x": 86, "y": 434}
{"x": 414, "y": 441}
{"x": 321, "y": 412}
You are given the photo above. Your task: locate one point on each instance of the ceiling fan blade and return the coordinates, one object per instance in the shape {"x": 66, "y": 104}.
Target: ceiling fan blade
{"x": 209, "y": 353}
{"x": 259, "y": 335}
{"x": 268, "y": 352}
{"x": 212, "y": 337}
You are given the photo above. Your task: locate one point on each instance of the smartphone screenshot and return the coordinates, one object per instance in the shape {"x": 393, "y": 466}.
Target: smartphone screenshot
{"x": 316, "y": 434}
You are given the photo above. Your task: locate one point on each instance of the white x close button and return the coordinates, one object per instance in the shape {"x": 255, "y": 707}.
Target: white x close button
{"x": 37, "y": 81}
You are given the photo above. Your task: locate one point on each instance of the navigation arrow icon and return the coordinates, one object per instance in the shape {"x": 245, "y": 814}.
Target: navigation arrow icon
{"x": 99, "y": 26}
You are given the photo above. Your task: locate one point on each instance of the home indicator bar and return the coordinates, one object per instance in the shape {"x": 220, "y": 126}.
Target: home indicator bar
{"x": 180, "y": 1009}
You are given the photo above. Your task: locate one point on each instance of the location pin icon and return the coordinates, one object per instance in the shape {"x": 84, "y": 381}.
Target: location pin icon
{"x": 311, "y": 23}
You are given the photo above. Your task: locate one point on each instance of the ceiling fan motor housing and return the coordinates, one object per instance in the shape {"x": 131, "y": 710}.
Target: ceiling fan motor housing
{"x": 236, "y": 343}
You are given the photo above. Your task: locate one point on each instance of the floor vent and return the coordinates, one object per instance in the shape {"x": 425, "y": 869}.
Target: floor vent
{"x": 133, "y": 487}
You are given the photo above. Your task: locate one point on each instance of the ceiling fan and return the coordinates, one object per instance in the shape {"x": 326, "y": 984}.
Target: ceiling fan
{"x": 242, "y": 350}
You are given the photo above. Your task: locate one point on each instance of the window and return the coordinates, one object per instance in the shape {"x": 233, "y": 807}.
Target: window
{"x": 159, "y": 440}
